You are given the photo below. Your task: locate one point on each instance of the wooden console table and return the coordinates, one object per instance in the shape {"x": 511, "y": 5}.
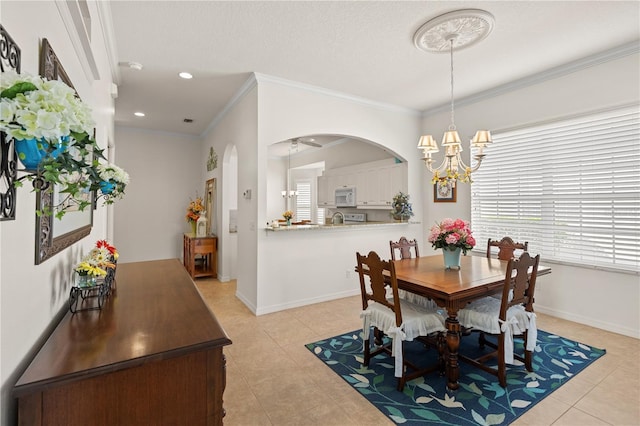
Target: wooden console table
{"x": 152, "y": 355}
{"x": 206, "y": 249}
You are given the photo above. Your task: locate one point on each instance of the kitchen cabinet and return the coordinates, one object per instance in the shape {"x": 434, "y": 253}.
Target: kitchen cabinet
{"x": 326, "y": 198}
{"x": 376, "y": 187}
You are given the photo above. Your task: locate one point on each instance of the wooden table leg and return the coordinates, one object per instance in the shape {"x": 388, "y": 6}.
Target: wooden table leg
{"x": 453, "y": 343}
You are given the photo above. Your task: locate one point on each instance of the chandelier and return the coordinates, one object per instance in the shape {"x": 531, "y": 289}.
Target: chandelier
{"x": 453, "y": 31}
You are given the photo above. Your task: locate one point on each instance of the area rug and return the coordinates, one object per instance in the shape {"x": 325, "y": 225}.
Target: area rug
{"x": 479, "y": 401}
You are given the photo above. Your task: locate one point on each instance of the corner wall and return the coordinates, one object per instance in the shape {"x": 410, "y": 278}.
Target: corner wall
{"x": 577, "y": 294}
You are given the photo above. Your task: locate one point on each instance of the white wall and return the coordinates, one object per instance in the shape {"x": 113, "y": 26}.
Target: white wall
{"x": 32, "y": 296}
{"x": 577, "y": 294}
{"x": 238, "y": 129}
{"x": 166, "y": 172}
{"x": 297, "y": 268}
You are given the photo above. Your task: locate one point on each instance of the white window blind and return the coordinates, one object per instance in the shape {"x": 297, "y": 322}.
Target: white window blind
{"x": 570, "y": 188}
{"x": 303, "y": 200}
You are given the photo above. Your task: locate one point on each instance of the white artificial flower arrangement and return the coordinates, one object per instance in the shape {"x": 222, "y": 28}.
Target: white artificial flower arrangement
{"x": 33, "y": 107}
{"x": 116, "y": 176}
{"x": 50, "y": 112}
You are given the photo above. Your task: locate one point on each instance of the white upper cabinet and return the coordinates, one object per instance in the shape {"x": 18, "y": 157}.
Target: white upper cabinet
{"x": 376, "y": 184}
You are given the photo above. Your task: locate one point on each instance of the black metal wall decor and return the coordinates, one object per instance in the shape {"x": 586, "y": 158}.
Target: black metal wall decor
{"x": 9, "y": 59}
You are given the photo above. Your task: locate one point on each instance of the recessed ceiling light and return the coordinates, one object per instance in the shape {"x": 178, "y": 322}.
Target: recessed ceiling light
{"x": 185, "y": 75}
{"x": 139, "y": 114}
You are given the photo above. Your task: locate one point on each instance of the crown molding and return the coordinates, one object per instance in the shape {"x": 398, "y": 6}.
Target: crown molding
{"x": 73, "y": 21}
{"x": 550, "y": 74}
{"x": 249, "y": 84}
{"x": 106, "y": 25}
{"x": 264, "y": 78}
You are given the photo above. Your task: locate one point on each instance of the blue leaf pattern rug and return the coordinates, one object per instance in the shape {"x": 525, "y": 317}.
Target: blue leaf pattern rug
{"x": 480, "y": 400}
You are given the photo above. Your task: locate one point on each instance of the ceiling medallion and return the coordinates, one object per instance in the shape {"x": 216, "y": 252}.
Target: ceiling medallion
{"x": 465, "y": 27}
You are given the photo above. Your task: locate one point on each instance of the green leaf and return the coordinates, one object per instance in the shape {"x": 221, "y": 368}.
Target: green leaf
{"x": 21, "y": 87}
{"x": 426, "y": 414}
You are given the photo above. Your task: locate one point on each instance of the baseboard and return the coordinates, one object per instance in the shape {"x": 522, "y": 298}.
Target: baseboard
{"x": 304, "y": 302}
{"x": 590, "y": 321}
{"x": 246, "y": 301}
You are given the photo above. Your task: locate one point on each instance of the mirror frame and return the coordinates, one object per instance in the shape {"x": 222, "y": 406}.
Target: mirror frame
{"x": 46, "y": 244}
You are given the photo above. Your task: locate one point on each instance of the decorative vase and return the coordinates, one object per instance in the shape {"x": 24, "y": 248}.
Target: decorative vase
{"x": 451, "y": 258}
{"x": 201, "y": 225}
{"x": 288, "y": 222}
{"x": 107, "y": 187}
{"x": 193, "y": 224}
{"x": 32, "y": 151}
{"x": 86, "y": 280}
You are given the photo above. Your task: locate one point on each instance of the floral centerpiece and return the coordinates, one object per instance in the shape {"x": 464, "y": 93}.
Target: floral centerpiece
{"x": 401, "y": 207}
{"x": 453, "y": 237}
{"x": 52, "y": 131}
{"x": 97, "y": 263}
{"x": 288, "y": 215}
{"x": 452, "y": 234}
{"x": 195, "y": 209}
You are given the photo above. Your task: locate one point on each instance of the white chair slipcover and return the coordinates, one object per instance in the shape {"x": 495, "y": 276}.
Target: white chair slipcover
{"x": 417, "y": 321}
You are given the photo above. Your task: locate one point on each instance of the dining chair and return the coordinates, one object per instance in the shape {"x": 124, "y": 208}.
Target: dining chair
{"x": 511, "y": 315}
{"x": 399, "y": 320}
{"x": 506, "y": 248}
{"x": 404, "y": 248}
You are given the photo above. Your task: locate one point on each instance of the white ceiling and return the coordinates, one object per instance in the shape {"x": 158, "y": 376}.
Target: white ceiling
{"x": 361, "y": 48}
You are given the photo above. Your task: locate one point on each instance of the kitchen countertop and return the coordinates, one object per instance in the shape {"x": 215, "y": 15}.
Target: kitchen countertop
{"x": 336, "y": 226}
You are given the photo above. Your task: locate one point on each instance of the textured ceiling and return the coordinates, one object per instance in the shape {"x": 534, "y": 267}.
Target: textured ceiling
{"x": 360, "y": 48}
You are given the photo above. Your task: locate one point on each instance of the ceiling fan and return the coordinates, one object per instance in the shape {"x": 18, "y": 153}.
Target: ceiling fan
{"x": 304, "y": 141}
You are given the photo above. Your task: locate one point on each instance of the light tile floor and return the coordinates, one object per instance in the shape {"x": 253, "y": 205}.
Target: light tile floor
{"x": 272, "y": 379}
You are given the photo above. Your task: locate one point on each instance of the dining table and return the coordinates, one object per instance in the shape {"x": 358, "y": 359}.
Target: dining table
{"x": 452, "y": 290}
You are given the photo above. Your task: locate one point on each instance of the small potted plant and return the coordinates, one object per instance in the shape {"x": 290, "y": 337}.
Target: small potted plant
{"x": 401, "y": 207}
{"x": 288, "y": 215}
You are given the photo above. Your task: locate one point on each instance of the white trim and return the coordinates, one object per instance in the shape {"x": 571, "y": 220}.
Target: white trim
{"x": 72, "y": 18}
{"x": 302, "y": 302}
{"x": 550, "y": 74}
{"x": 240, "y": 93}
{"x": 334, "y": 93}
{"x": 197, "y": 138}
{"x": 106, "y": 24}
{"x": 590, "y": 321}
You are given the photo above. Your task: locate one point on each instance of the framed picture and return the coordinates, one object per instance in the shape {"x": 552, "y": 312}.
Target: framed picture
{"x": 54, "y": 235}
{"x": 444, "y": 192}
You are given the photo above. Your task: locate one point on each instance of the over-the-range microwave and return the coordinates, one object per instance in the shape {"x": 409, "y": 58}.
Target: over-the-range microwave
{"x": 345, "y": 197}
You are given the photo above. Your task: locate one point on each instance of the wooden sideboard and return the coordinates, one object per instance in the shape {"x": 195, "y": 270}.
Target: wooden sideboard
{"x": 152, "y": 355}
{"x": 200, "y": 255}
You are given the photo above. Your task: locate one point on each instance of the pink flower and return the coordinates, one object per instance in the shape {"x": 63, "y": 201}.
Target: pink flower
{"x": 447, "y": 224}
{"x": 452, "y": 238}
{"x": 471, "y": 241}
{"x": 459, "y": 224}
{"x": 434, "y": 233}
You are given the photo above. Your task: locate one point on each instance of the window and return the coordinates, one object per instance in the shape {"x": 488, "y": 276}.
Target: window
{"x": 303, "y": 200}
{"x": 306, "y": 203}
{"x": 570, "y": 188}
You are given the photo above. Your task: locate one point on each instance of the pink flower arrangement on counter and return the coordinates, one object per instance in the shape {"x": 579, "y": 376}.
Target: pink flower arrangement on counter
{"x": 451, "y": 234}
